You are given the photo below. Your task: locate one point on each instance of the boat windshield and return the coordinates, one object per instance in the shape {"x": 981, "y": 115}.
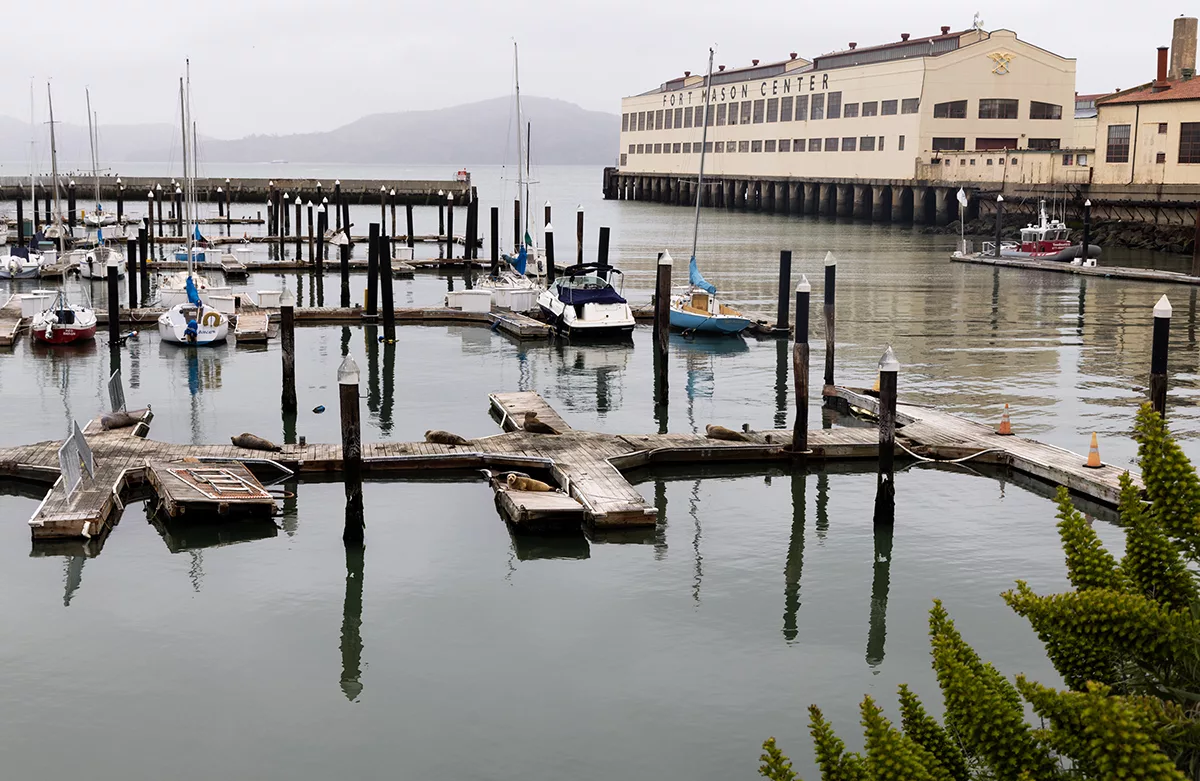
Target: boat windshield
{"x": 587, "y": 282}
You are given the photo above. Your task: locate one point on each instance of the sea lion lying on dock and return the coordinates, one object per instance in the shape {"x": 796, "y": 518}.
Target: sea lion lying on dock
{"x": 518, "y": 483}
{"x": 713, "y": 431}
{"x": 443, "y": 438}
{"x": 252, "y": 442}
{"x": 121, "y": 419}
{"x": 535, "y": 426}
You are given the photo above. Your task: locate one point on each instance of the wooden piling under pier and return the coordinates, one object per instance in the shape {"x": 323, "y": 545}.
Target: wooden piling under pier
{"x": 587, "y": 466}
{"x": 1059, "y": 267}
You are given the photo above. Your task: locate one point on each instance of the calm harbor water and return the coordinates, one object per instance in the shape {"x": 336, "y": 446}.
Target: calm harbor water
{"x": 451, "y": 648}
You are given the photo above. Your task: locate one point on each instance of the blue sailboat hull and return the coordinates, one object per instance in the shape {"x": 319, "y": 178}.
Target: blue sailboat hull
{"x": 711, "y": 324}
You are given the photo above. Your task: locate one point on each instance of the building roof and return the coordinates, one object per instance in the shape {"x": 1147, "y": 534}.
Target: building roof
{"x": 1177, "y": 89}
{"x": 929, "y": 46}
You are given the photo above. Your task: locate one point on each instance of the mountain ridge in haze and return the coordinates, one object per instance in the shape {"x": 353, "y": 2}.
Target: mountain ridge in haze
{"x": 482, "y": 132}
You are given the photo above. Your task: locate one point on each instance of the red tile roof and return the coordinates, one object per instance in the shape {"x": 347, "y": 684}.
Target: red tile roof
{"x": 1176, "y": 90}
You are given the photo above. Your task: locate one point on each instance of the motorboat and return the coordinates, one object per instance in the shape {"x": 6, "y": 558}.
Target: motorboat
{"x": 99, "y": 218}
{"x": 509, "y": 286}
{"x": 1049, "y": 239}
{"x": 582, "y": 301}
{"x": 172, "y": 288}
{"x": 21, "y": 263}
{"x": 93, "y": 263}
{"x": 63, "y": 322}
{"x": 697, "y": 308}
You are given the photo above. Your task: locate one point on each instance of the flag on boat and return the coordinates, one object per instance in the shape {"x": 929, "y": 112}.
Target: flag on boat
{"x": 528, "y": 240}
{"x": 196, "y": 234}
{"x": 696, "y": 279}
{"x": 962, "y": 198}
{"x": 518, "y": 262}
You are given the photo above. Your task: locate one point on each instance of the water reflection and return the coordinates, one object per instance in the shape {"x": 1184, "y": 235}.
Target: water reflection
{"x": 72, "y": 577}
{"x": 570, "y": 545}
{"x": 877, "y": 632}
{"x": 351, "y": 638}
{"x": 693, "y": 510}
{"x": 822, "y": 504}
{"x": 795, "y": 557}
{"x": 782, "y": 375}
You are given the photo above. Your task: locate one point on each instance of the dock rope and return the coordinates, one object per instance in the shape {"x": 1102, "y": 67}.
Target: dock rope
{"x": 949, "y": 460}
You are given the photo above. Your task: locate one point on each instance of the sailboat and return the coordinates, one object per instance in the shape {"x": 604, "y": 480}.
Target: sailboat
{"x": 63, "y": 322}
{"x": 173, "y": 288}
{"x": 696, "y": 308}
{"x": 94, "y": 263}
{"x": 25, "y": 262}
{"x": 191, "y": 321}
{"x": 99, "y": 217}
{"x": 510, "y": 285}
{"x": 55, "y": 231}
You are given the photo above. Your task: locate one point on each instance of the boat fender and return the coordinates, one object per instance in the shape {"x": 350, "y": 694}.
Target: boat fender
{"x": 319, "y": 409}
{"x": 253, "y": 442}
{"x": 527, "y": 484}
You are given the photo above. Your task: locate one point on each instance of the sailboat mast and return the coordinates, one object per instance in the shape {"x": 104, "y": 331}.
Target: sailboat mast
{"x": 32, "y": 168}
{"x": 54, "y": 161}
{"x": 183, "y": 128}
{"x": 703, "y": 152}
{"x": 520, "y": 150}
{"x": 528, "y": 173}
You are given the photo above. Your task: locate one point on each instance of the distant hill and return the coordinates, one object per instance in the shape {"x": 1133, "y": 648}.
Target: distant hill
{"x": 483, "y": 132}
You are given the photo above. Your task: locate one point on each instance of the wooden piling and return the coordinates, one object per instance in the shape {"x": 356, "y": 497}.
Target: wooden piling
{"x": 299, "y": 229}
{"x": 312, "y": 242}
{"x": 602, "y": 251}
{"x": 179, "y": 211}
{"x": 392, "y": 206}
{"x": 441, "y": 220}
{"x": 662, "y": 324}
{"x": 149, "y": 221}
{"x": 885, "y": 491}
{"x": 71, "y": 206}
{"x": 337, "y": 204}
{"x": 1196, "y": 246}
{"x": 579, "y": 235}
{"x": 228, "y": 212}
{"x": 785, "y": 285}
{"x": 1158, "y": 356}
{"x": 322, "y": 219}
{"x": 830, "y": 314}
{"x": 449, "y": 226}
{"x": 120, "y": 200}
{"x": 344, "y": 249}
{"x": 384, "y": 260}
{"x": 1087, "y": 228}
{"x": 800, "y": 366}
{"x": 131, "y": 253}
{"x": 143, "y": 249}
{"x": 516, "y": 225}
{"x": 287, "y": 343}
{"x": 471, "y": 251}
{"x": 114, "y": 304}
{"x": 546, "y": 214}
{"x": 21, "y": 220}
{"x": 346, "y": 218}
{"x": 220, "y": 201}
{"x": 495, "y": 240}
{"x": 348, "y": 377}
{"x": 549, "y": 253}
{"x": 371, "y": 306}
{"x": 408, "y": 219}
{"x": 999, "y": 224}
{"x": 159, "y": 198}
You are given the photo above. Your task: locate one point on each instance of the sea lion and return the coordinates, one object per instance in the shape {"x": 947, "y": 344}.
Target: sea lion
{"x": 713, "y": 431}
{"x": 535, "y": 426}
{"x": 252, "y": 442}
{"x": 121, "y": 419}
{"x": 517, "y": 483}
{"x": 443, "y": 438}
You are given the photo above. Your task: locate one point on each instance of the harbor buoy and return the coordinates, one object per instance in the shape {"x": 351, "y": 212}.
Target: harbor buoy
{"x": 1093, "y": 461}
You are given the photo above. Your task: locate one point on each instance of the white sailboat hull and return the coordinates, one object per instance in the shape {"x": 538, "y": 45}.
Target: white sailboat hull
{"x": 172, "y": 289}
{"x": 191, "y": 325}
{"x": 94, "y": 263}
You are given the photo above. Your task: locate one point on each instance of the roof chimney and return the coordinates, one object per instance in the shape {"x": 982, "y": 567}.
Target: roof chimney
{"x": 853, "y": 45}
{"x": 686, "y": 74}
{"x": 1160, "y": 80}
{"x": 720, "y": 67}
{"x": 1183, "y": 47}
{"x": 945, "y": 29}
{"x": 754, "y": 62}
{"x": 904, "y": 36}
{"x": 792, "y": 55}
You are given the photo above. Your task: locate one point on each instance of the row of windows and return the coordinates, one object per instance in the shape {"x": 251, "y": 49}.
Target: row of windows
{"x": 997, "y": 108}
{"x": 786, "y": 109}
{"x": 845, "y": 144}
{"x": 987, "y": 144}
{"x": 1117, "y": 147}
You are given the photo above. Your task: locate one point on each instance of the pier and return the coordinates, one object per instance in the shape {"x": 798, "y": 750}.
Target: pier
{"x": 1058, "y": 267}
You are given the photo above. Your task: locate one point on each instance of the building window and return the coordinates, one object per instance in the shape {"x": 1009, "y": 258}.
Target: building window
{"x": 997, "y": 108}
{"x": 708, "y": 147}
{"x": 1002, "y": 161}
{"x": 679, "y": 117}
{"x": 866, "y": 144}
{"x": 1162, "y": 128}
{"x": 624, "y": 159}
{"x": 769, "y": 145}
{"x": 641, "y": 149}
{"x": 785, "y": 145}
{"x": 720, "y": 146}
{"x": 658, "y": 149}
{"x": 711, "y": 116}
{"x": 972, "y": 161}
{"x": 850, "y": 110}
{"x": 818, "y": 107}
{"x": 797, "y": 144}
{"x": 625, "y": 123}
{"x": 948, "y": 163}
{"x": 991, "y": 144}
{"x": 744, "y": 146}
{"x": 910, "y": 105}
{"x": 900, "y": 146}
{"x": 879, "y": 147}
{"x": 667, "y": 147}
{"x": 658, "y": 120}
{"x": 678, "y": 148}
{"x": 687, "y": 147}
{"x": 955, "y": 109}
{"x": 785, "y": 109}
{"x": 801, "y": 108}
{"x": 669, "y": 123}
{"x": 949, "y": 144}
{"x": 889, "y": 107}
{"x": 641, "y": 120}
{"x": 849, "y": 144}
{"x": 747, "y": 112}
{"x": 831, "y": 145}
{"x": 1044, "y": 143}
{"x": 1161, "y": 157}
{"x": 962, "y": 161}
{"x": 1068, "y": 159}
{"x": 1117, "y": 150}
{"x": 756, "y": 146}
{"x": 687, "y": 116}
{"x": 631, "y": 148}
{"x": 989, "y": 162}
{"x": 1080, "y": 159}
{"x": 759, "y": 111}
{"x": 870, "y": 108}
{"x": 1189, "y": 142}
{"x": 772, "y": 109}
{"x": 721, "y": 115}
{"x": 1039, "y": 110}
{"x": 814, "y": 145}
{"x": 833, "y": 105}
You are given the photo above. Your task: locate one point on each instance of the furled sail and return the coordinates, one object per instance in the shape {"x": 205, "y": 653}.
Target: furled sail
{"x": 696, "y": 279}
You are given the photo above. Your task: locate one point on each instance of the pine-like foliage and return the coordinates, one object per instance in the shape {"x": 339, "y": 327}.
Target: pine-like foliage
{"x": 835, "y": 763}
{"x": 1089, "y": 565}
{"x": 1171, "y": 483}
{"x": 927, "y": 733}
{"x": 1152, "y": 562}
{"x": 775, "y": 766}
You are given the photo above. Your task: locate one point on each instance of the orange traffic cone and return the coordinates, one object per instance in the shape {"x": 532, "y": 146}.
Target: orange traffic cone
{"x": 875, "y": 387}
{"x": 1093, "y": 461}
{"x": 1005, "y": 429}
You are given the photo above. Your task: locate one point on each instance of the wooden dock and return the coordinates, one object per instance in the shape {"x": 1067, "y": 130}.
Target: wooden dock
{"x": 1110, "y": 272}
{"x": 232, "y": 267}
{"x": 11, "y": 321}
{"x": 586, "y": 466}
{"x": 252, "y": 326}
{"x": 226, "y": 489}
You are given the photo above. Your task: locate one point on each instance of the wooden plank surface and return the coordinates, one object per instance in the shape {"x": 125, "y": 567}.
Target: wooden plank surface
{"x": 513, "y": 406}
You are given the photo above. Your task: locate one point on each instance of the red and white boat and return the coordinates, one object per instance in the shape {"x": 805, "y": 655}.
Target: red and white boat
{"x": 1048, "y": 240}
{"x": 64, "y": 323}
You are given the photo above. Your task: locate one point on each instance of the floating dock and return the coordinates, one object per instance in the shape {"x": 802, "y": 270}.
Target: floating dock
{"x": 1109, "y": 272}
{"x": 587, "y": 466}
{"x": 11, "y": 321}
{"x": 224, "y": 489}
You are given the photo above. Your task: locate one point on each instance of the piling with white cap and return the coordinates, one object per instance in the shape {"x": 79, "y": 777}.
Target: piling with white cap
{"x": 662, "y": 325}
{"x": 287, "y": 343}
{"x": 114, "y": 299}
{"x": 312, "y": 248}
{"x": 830, "y": 318}
{"x": 347, "y": 377}
{"x": 549, "y": 242}
{"x": 885, "y": 492}
{"x": 450, "y": 226}
{"x": 999, "y": 224}
{"x": 785, "y": 284}
{"x": 1158, "y": 355}
{"x": 800, "y": 367}
{"x": 579, "y": 234}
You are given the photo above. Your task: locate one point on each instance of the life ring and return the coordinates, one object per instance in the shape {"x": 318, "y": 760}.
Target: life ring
{"x": 212, "y": 319}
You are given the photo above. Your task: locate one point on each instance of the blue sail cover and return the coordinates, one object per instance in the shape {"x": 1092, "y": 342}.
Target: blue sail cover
{"x": 518, "y": 263}
{"x": 696, "y": 279}
{"x": 192, "y": 294}
{"x": 99, "y": 234}
{"x": 196, "y": 235}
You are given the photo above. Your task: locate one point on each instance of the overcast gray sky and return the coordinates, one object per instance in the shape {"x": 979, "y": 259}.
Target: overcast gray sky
{"x": 269, "y": 66}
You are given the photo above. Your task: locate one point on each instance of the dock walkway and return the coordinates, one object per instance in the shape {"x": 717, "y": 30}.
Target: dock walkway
{"x": 587, "y": 466}
{"x": 1111, "y": 272}
{"x": 11, "y": 321}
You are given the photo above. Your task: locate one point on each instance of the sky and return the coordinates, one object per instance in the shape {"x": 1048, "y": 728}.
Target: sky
{"x": 272, "y": 67}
